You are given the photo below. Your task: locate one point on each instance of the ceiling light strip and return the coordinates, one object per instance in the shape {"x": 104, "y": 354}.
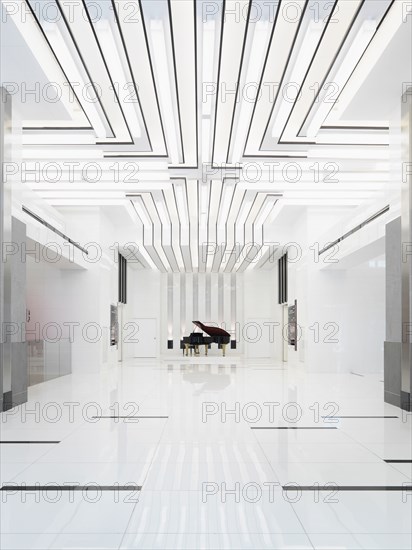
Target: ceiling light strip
{"x": 231, "y": 54}
{"x": 355, "y": 229}
{"x": 183, "y": 26}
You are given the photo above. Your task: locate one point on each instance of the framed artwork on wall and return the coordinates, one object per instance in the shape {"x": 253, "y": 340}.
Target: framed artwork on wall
{"x": 293, "y": 325}
{"x": 113, "y": 325}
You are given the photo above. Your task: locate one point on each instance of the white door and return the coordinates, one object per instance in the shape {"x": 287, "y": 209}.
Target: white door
{"x": 258, "y": 336}
{"x": 285, "y": 321}
{"x": 145, "y": 337}
{"x": 120, "y": 332}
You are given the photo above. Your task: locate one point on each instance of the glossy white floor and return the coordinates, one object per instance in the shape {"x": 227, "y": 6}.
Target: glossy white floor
{"x": 208, "y": 480}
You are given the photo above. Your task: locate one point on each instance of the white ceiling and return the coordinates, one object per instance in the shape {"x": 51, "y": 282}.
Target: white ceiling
{"x": 195, "y": 162}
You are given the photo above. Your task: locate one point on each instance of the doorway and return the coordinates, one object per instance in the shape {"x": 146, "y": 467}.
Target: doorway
{"x": 144, "y": 337}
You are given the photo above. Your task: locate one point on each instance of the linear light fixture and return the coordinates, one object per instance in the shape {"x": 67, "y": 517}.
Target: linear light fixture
{"x": 385, "y": 33}
{"x": 377, "y": 153}
{"x": 354, "y": 53}
{"x": 206, "y": 155}
{"x": 263, "y": 215}
{"x": 131, "y": 210}
{"x": 208, "y": 63}
{"x": 346, "y": 138}
{"x": 141, "y": 211}
{"x": 257, "y": 51}
{"x": 228, "y": 190}
{"x": 38, "y": 153}
{"x": 355, "y": 229}
{"x": 245, "y": 208}
{"x": 164, "y": 79}
{"x": 35, "y": 137}
{"x": 63, "y": 53}
{"x": 54, "y": 229}
{"x": 303, "y": 54}
{"x": 181, "y": 201}
{"x": 230, "y": 59}
{"x": 49, "y": 195}
{"x": 36, "y": 42}
{"x": 164, "y": 220}
{"x": 204, "y": 197}
{"x": 127, "y": 95}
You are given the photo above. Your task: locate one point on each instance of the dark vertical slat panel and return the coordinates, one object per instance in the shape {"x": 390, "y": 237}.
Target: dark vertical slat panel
{"x": 283, "y": 279}
{"x": 125, "y": 281}
{"x": 286, "y": 277}
{"x": 296, "y": 325}
{"x": 119, "y": 282}
{"x": 279, "y": 283}
{"x": 122, "y": 281}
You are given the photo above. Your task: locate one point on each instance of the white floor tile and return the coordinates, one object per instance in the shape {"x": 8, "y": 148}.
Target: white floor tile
{"x": 388, "y": 450}
{"x": 362, "y": 542}
{"x": 186, "y": 512}
{"x": 355, "y": 512}
{"x": 318, "y": 452}
{"x": 182, "y": 476}
{"x": 339, "y": 473}
{"x": 242, "y": 506}
{"x": 31, "y": 541}
{"x": 231, "y": 451}
{"x": 250, "y": 541}
{"x": 9, "y": 470}
{"x": 102, "y": 541}
{"x": 116, "y": 446}
{"x": 102, "y": 473}
{"x": 405, "y": 469}
{"x": 70, "y": 513}
{"x": 24, "y": 453}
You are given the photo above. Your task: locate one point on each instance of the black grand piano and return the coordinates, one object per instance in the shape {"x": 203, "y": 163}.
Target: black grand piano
{"x": 215, "y": 336}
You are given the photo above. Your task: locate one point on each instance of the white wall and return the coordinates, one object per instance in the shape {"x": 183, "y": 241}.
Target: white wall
{"x": 350, "y": 298}
{"x": 81, "y": 296}
{"x": 340, "y": 306}
{"x": 144, "y": 301}
{"x": 252, "y": 305}
{"x": 213, "y": 298}
{"x": 365, "y": 331}
{"x": 260, "y": 336}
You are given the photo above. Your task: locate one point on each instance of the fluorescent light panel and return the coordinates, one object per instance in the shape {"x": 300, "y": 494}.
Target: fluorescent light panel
{"x": 164, "y": 79}
{"x": 118, "y": 69}
{"x": 344, "y": 70}
{"x": 257, "y": 52}
{"x": 303, "y": 53}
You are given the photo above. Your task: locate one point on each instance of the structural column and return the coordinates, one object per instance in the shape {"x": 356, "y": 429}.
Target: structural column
{"x": 398, "y": 244}
{"x": 406, "y": 275}
{"x": 5, "y": 234}
{"x": 13, "y": 352}
{"x": 393, "y": 295}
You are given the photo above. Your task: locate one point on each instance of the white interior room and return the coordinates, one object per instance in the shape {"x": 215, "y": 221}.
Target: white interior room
{"x": 245, "y": 164}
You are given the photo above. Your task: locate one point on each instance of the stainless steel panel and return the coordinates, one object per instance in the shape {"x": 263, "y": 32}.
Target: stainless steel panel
{"x": 393, "y": 294}
{"x": 5, "y": 195}
{"x": 406, "y": 239}
{"x": 392, "y": 372}
{"x": 65, "y": 357}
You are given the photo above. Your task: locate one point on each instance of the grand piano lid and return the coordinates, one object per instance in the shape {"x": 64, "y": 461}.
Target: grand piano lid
{"x": 211, "y": 331}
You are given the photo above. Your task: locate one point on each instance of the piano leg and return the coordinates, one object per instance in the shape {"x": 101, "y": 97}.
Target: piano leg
{"x": 224, "y": 350}
{"x": 206, "y": 348}
{"x": 187, "y": 349}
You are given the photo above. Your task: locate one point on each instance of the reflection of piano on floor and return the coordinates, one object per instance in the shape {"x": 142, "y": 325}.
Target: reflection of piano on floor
{"x": 216, "y": 336}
